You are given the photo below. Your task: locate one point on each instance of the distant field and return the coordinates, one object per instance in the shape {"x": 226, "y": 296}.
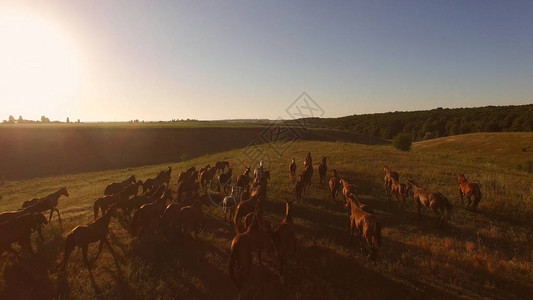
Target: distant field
{"x": 485, "y": 254}
{"x": 30, "y": 150}
{"x": 512, "y": 150}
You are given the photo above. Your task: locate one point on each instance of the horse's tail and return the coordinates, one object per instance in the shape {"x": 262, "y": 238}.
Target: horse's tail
{"x": 231, "y": 266}
{"x": 69, "y": 246}
{"x": 135, "y": 226}
{"x": 96, "y": 206}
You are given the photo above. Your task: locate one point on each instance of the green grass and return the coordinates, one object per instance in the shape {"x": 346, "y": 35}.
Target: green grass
{"x": 484, "y": 254}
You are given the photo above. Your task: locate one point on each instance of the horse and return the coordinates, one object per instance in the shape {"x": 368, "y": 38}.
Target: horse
{"x": 187, "y": 174}
{"x": 367, "y": 227}
{"x": 224, "y": 180}
{"x": 207, "y": 176}
{"x": 190, "y": 216}
{"x": 105, "y": 202}
{"x": 187, "y": 186}
{"x": 162, "y": 178}
{"x": 292, "y": 170}
{"x": 149, "y": 214}
{"x": 169, "y": 221}
{"x": 308, "y": 160}
{"x": 247, "y": 206}
{"x": 389, "y": 177}
{"x": 348, "y": 190}
{"x": 398, "y": 189}
{"x": 306, "y": 177}
{"x": 468, "y": 189}
{"x": 48, "y": 203}
{"x": 228, "y": 204}
{"x": 242, "y": 246}
{"x": 284, "y": 238}
{"x": 83, "y": 235}
{"x": 19, "y": 229}
{"x": 221, "y": 165}
{"x": 204, "y": 168}
{"x": 264, "y": 236}
{"x": 322, "y": 169}
{"x": 116, "y": 187}
{"x": 243, "y": 180}
{"x": 334, "y": 185}
{"x": 139, "y": 200}
{"x": 434, "y": 200}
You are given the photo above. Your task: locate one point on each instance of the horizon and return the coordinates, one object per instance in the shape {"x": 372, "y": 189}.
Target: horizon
{"x": 121, "y": 61}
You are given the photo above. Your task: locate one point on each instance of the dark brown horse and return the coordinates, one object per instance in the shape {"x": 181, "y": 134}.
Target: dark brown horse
{"x": 83, "y": 235}
{"x": 284, "y": 238}
{"x": 334, "y": 185}
{"x": 188, "y": 174}
{"x": 191, "y": 216}
{"x": 121, "y": 200}
{"x": 247, "y": 206}
{"x": 48, "y": 203}
{"x": 149, "y": 214}
{"x": 139, "y": 200}
{"x": 322, "y": 169}
{"x": 299, "y": 188}
{"x": 366, "y": 226}
{"x": 307, "y": 174}
{"x": 292, "y": 170}
{"x": 221, "y": 165}
{"x": 207, "y": 177}
{"x": 116, "y": 187}
{"x": 224, "y": 180}
{"x": 469, "y": 189}
{"x": 162, "y": 178}
{"x": 187, "y": 186}
{"x": 19, "y": 229}
{"x": 243, "y": 180}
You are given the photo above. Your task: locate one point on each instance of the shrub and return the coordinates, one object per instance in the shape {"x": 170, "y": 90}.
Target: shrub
{"x": 402, "y": 142}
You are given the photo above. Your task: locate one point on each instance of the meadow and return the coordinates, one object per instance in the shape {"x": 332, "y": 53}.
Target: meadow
{"x": 483, "y": 254}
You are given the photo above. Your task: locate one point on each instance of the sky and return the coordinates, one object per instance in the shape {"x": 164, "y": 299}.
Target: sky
{"x": 207, "y": 60}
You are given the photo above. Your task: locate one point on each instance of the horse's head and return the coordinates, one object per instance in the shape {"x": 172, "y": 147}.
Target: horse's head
{"x": 132, "y": 179}
{"x": 461, "y": 178}
{"x": 64, "y": 191}
{"x": 386, "y": 169}
{"x": 324, "y": 159}
{"x": 293, "y": 160}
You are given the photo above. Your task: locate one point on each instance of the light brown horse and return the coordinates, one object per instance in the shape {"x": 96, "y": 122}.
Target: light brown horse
{"x": 243, "y": 180}
{"x": 399, "y": 189}
{"x": 292, "y": 170}
{"x": 469, "y": 189}
{"x": 334, "y": 185}
{"x": 148, "y": 215}
{"x": 83, "y": 235}
{"x": 284, "y": 238}
{"x": 389, "y": 177}
{"x": 322, "y": 169}
{"x": 366, "y": 226}
{"x": 247, "y": 206}
{"x": 48, "y": 203}
{"x": 348, "y": 190}
{"x": 116, "y": 187}
{"x": 242, "y": 246}
{"x": 19, "y": 229}
{"x": 434, "y": 200}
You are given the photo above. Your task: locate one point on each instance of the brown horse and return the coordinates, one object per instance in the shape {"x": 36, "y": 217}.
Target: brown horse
{"x": 264, "y": 236}
{"x": 348, "y": 190}
{"x": 242, "y": 246}
{"x": 149, "y": 214}
{"x": 284, "y": 238}
{"x": 83, "y": 235}
{"x": 322, "y": 169}
{"x": 389, "y": 177}
{"x": 247, "y": 206}
{"x": 292, "y": 170}
{"x": 204, "y": 169}
{"x": 224, "y": 181}
{"x": 191, "y": 216}
{"x": 367, "y": 227}
{"x": 243, "y": 180}
{"x": 398, "y": 189}
{"x": 207, "y": 176}
{"x": 162, "y": 178}
{"x": 170, "y": 226}
{"x": 116, "y": 187}
{"x": 229, "y": 204}
{"x": 19, "y": 229}
{"x": 187, "y": 186}
{"x": 221, "y": 165}
{"x": 299, "y": 188}
{"x": 469, "y": 189}
{"x": 187, "y": 174}
{"x": 334, "y": 185}
{"x": 434, "y": 200}
{"x": 307, "y": 174}
{"x": 48, "y": 203}
{"x": 137, "y": 201}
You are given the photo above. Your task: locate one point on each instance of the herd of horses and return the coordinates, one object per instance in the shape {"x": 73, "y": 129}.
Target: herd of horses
{"x": 156, "y": 212}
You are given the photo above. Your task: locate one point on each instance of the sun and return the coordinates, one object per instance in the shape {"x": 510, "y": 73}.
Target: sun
{"x": 40, "y": 68}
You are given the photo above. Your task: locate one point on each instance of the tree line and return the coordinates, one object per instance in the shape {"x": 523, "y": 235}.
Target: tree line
{"x": 439, "y": 122}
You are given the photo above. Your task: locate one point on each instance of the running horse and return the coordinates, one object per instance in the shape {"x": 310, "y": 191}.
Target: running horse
{"x": 469, "y": 189}
{"x": 48, "y": 203}
{"x": 366, "y": 226}
{"x": 434, "y": 200}
{"x": 116, "y": 187}
{"x": 334, "y": 185}
{"x": 322, "y": 169}
{"x": 390, "y": 176}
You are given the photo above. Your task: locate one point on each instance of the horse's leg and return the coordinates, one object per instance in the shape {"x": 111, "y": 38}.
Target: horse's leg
{"x": 461, "y": 194}
{"x": 469, "y": 200}
{"x": 100, "y": 247}
{"x": 51, "y": 212}
{"x": 59, "y": 217}
{"x": 85, "y": 260}
{"x": 111, "y": 250}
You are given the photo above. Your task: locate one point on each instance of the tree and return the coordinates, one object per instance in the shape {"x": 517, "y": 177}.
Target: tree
{"x": 68, "y": 120}
{"x": 402, "y": 141}
{"x": 20, "y": 120}
{"x": 45, "y": 119}
{"x": 11, "y": 119}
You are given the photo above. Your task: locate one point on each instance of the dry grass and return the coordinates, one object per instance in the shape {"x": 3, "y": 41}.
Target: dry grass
{"x": 484, "y": 254}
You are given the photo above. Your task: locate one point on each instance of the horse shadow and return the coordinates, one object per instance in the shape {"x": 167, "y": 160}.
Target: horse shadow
{"x": 28, "y": 278}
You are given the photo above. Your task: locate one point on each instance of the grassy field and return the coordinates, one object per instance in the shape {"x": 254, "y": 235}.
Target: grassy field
{"x": 484, "y": 254}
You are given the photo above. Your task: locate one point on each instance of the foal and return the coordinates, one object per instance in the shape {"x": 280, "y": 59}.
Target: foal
{"x": 83, "y": 235}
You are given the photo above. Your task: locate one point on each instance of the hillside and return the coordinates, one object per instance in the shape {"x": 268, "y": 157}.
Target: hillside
{"x": 485, "y": 254}
{"x": 422, "y": 125}
{"x": 506, "y": 150}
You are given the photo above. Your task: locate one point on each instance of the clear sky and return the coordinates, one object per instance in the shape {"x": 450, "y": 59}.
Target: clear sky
{"x": 159, "y": 60}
